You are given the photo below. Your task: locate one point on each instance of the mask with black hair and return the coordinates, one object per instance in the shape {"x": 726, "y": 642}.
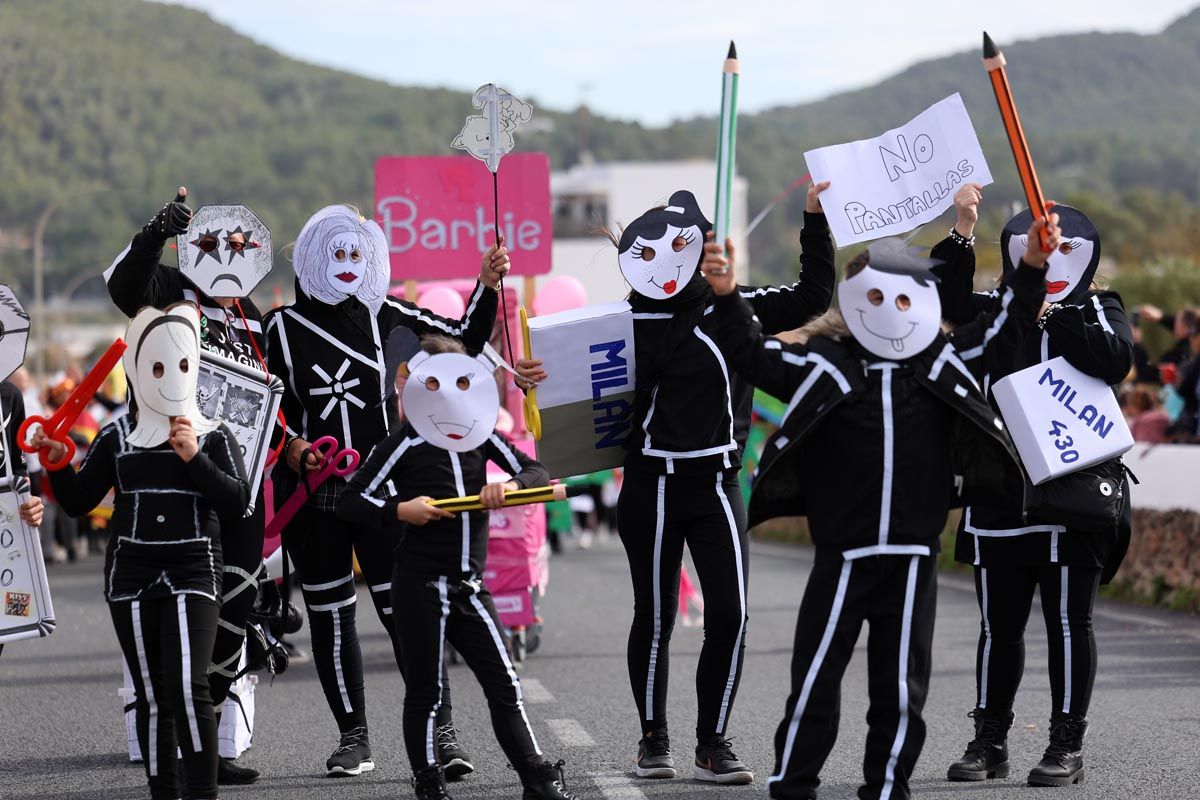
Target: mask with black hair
{"x": 1071, "y": 268}
{"x": 660, "y": 252}
{"x": 892, "y": 306}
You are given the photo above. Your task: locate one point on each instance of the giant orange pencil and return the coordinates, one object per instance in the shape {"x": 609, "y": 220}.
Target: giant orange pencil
{"x": 994, "y": 61}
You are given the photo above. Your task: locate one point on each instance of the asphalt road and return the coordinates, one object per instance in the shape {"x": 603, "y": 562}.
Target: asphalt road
{"x": 61, "y": 733}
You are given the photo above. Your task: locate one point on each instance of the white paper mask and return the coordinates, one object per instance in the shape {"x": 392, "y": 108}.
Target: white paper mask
{"x": 891, "y": 314}
{"x": 226, "y": 251}
{"x": 1071, "y": 269}
{"x": 162, "y": 364}
{"x": 14, "y": 332}
{"x": 339, "y": 254}
{"x": 489, "y": 136}
{"x": 451, "y": 399}
{"x": 660, "y": 251}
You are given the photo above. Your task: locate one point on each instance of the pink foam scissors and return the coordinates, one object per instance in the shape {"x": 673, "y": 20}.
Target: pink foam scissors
{"x": 332, "y": 459}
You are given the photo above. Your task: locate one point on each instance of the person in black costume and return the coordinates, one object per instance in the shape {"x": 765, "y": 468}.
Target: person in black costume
{"x": 174, "y": 473}
{"x": 882, "y": 406}
{"x": 230, "y": 327}
{"x": 1015, "y": 555}
{"x": 327, "y": 347}
{"x": 689, "y": 426}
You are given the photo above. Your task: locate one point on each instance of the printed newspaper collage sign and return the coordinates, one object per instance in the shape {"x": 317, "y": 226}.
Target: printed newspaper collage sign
{"x": 25, "y": 607}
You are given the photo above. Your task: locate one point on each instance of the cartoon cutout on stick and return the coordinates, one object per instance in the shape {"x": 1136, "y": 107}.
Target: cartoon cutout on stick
{"x": 489, "y": 136}
{"x": 450, "y": 399}
{"x": 892, "y": 306}
{"x": 226, "y": 251}
{"x": 660, "y": 251}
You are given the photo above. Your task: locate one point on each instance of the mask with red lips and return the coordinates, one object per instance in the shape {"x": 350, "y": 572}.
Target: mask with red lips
{"x": 1070, "y": 269}
{"x": 450, "y": 399}
{"x": 339, "y": 254}
{"x": 661, "y": 250}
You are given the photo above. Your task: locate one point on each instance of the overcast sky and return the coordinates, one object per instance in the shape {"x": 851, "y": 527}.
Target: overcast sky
{"x": 657, "y": 61}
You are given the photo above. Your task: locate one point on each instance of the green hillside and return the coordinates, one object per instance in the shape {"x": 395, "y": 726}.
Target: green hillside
{"x": 108, "y": 104}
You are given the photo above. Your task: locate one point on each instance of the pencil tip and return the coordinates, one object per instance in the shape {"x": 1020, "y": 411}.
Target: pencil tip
{"x": 732, "y": 50}
{"x": 989, "y": 47}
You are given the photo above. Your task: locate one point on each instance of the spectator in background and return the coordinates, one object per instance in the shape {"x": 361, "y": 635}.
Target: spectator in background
{"x": 1180, "y": 324}
{"x": 1143, "y": 370}
{"x": 1147, "y": 420}
{"x": 1186, "y": 427}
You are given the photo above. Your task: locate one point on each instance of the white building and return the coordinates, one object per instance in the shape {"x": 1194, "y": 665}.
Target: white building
{"x": 590, "y": 196}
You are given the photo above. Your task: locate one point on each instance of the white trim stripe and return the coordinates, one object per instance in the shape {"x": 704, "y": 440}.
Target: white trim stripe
{"x": 1066, "y": 637}
{"x": 910, "y": 591}
{"x": 1100, "y": 314}
{"x": 512, "y": 673}
{"x": 431, "y": 724}
{"x": 889, "y": 448}
{"x": 185, "y": 676}
{"x": 337, "y": 657}
{"x": 886, "y": 550}
{"x": 147, "y": 687}
{"x": 656, "y": 577}
{"x": 320, "y": 587}
{"x": 727, "y": 696}
{"x": 987, "y": 638}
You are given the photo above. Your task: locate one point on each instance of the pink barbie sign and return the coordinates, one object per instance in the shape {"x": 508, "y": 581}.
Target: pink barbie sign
{"x": 436, "y": 212}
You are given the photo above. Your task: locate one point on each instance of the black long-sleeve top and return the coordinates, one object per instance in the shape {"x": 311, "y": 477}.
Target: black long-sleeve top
{"x": 12, "y": 416}
{"x": 446, "y": 546}
{"x": 698, "y": 416}
{"x": 164, "y": 535}
{"x": 331, "y": 362}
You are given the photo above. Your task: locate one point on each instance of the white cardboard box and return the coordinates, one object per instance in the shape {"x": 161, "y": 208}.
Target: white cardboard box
{"x": 1060, "y": 419}
{"x": 585, "y": 403}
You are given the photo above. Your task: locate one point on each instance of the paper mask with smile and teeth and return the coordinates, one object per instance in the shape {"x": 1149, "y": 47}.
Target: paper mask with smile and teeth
{"x": 162, "y": 365}
{"x": 339, "y": 254}
{"x": 892, "y": 306}
{"x": 660, "y": 251}
{"x": 451, "y": 399}
{"x": 226, "y": 251}
{"x": 1070, "y": 269}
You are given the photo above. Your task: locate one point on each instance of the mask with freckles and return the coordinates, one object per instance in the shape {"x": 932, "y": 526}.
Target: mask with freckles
{"x": 1069, "y": 270}
{"x": 162, "y": 365}
{"x": 450, "y": 399}
{"x": 892, "y": 306}
{"x": 661, "y": 250}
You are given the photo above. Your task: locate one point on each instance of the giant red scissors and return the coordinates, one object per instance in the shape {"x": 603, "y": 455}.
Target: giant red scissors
{"x": 331, "y": 461}
{"x": 60, "y": 423}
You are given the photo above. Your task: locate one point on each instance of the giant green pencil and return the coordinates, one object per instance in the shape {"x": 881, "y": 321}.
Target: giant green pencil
{"x": 726, "y": 144}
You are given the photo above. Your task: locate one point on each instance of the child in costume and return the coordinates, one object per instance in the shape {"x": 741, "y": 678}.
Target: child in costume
{"x": 174, "y": 472}
{"x": 881, "y": 404}
{"x": 450, "y": 404}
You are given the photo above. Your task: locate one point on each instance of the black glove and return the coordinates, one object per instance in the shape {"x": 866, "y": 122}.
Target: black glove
{"x": 171, "y": 220}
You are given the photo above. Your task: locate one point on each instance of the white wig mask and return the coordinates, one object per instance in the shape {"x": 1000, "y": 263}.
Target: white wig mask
{"x": 162, "y": 364}
{"x": 339, "y": 254}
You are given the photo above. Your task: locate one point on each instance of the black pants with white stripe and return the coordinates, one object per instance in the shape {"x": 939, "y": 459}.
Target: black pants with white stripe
{"x": 896, "y": 596}
{"x": 323, "y": 549}
{"x": 656, "y": 516}
{"x": 1005, "y": 596}
{"x": 430, "y": 611}
{"x": 166, "y": 643}
{"x": 241, "y": 550}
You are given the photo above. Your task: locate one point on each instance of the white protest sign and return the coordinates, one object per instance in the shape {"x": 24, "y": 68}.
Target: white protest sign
{"x": 891, "y": 184}
{"x": 1060, "y": 419}
{"x": 585, "y": 403}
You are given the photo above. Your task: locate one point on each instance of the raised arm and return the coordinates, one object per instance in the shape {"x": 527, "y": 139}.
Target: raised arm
{"x": 136, "y": 278}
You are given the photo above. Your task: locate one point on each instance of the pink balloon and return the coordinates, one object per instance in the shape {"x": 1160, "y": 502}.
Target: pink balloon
{"x": 560, "y": 293}
{"x": 443, "y": 301}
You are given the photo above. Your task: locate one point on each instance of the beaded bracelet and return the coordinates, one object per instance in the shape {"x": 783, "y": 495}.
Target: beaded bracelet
{"x": 960, "y": 240}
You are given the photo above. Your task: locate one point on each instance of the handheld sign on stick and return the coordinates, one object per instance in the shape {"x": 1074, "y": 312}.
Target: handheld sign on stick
{"x": 995, "y": 62}
{"x": 489, "y": 137}
{"x": 726, "y": 145}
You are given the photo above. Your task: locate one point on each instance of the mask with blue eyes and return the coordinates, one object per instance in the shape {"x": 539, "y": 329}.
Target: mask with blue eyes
{"x": 451, "y": 399}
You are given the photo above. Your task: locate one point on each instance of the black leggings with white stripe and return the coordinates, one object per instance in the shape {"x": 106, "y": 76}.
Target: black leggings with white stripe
{"x": 323, "y": 548}
{"x": 1005, "y": 596}
{"x": 896, "y": 596}
{"x": 656, "y": 516}
{"x": 167, "y": 643}
{"x": 436, "y": 609}
{"x": 241, "y": 550}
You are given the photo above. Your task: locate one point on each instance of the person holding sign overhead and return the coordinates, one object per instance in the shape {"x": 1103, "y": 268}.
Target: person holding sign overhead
{"x": 1015, "y": 554}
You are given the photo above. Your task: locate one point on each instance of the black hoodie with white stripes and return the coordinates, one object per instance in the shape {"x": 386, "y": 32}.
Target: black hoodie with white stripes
{"x": 455, "y": 546}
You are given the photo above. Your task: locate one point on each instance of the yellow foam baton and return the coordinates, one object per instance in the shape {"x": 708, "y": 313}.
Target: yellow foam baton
{"x": 533, "y": 417}
{"x": 521, "y": 497}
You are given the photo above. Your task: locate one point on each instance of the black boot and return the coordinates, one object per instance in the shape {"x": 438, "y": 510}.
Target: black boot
{"x": 545, "y": 781}
{"x": 1062, "y": 764}
{"x": 430, "y": 784}
{"x": 987, "y": 753}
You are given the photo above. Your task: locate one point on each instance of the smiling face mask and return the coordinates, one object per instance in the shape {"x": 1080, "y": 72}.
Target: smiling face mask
{"x": 162, "y": 365}
{"x": 226, "y": 251}
{"x": 892, "y": 306}
{"x": 1069, "y": 270}
{"x": 450, "y": 399}
{"x": 661, "y": 250}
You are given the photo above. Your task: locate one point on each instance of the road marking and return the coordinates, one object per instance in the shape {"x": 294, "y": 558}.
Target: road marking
{"x": 570, "y": 733}
{"x": 535, "y": 692}
{"x": 616, "y": 786}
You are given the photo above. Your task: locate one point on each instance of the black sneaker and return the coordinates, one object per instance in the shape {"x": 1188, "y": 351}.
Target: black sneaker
{"x": 455, "y": 761}
{"x": 230, "y": 774}
{"x": 654, "y": 756}
{"x": 716, "y": 762}
{"x": 430, "y": 784}
{"x": 546, "y": 782}
{"x": 352, "y": 756}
